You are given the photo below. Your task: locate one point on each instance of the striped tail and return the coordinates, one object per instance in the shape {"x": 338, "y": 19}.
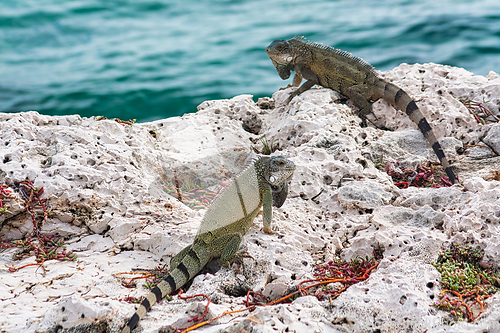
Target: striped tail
{"x": 190, "y": 265}
{"x": 401, "y": 100}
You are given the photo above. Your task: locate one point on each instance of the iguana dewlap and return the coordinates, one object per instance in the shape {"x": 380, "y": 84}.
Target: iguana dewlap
{"x": 350, "y": 76}
{"x": 263, "y": 184}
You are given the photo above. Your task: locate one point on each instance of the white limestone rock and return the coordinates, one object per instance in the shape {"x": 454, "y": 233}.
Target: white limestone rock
{"x": 365, "y": 195}
{"x": 492, "y": 139}
{"x": 111, "y": 193}
{"x": 407, "y": 287}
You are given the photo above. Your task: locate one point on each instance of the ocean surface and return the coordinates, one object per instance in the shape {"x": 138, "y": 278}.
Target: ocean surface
{"x": 147, "y": 60}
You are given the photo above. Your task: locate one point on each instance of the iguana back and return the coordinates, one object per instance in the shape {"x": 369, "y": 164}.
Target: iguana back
{"x": 350, "y": 76}
{"x": 263, "y": 184}
{"x": 230, "y": 205}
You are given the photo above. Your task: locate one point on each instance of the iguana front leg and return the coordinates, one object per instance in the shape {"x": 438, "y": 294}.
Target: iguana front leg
{"x": 297, "y": 79}
{"x": 306, "y": 73}
{"x": 267, "y": 211}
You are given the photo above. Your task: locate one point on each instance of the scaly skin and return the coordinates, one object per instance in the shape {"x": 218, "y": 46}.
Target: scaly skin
{"x": 352, "y": 77}
{"x": 262, "y": 184}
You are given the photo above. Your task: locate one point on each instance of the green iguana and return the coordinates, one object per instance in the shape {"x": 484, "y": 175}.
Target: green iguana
{"x": 350, "y": 76}
{"x": 263, "y": 184}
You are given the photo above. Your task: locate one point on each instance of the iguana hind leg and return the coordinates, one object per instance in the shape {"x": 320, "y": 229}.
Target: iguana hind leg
{"x": 231, "y": 244}
{"x": 360, "y": 96}
{"x": 176, "y": 260}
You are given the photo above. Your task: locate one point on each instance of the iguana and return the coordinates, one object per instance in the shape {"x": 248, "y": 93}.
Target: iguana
{"x": 349, "y": 75}
{"x": 262, "y": 184}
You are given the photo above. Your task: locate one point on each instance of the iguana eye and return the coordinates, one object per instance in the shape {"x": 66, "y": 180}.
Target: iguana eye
{"x": 272, "y": 179}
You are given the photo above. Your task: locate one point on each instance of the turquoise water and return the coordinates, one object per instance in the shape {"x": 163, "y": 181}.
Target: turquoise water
{"x": 155, "y": 59}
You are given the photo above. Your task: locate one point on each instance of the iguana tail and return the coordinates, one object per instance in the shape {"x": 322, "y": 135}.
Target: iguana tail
{"x": 401, "y": 100}
{"x": 191, "y": 264}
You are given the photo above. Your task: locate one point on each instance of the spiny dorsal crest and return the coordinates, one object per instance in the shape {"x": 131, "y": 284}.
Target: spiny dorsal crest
{"x": 337, "y": 51}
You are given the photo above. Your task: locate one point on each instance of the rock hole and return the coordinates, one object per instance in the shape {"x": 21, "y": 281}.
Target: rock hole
{"x": 277, "y": 263}
{"x": 340, "y": 321}
{"x": 403, "y": 299}
{"x": 82, "y": 316}
{"x": 63, "y": 309}
{"x": 74, "y": 156}
{"x": 363, "y": 163}
{"x": 430, "y": 285}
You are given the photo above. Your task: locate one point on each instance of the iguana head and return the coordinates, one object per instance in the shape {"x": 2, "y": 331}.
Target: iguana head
{"x": 280, "y": 173}
{"x": 280, "y": 53}
{"x": 280, "y": 170}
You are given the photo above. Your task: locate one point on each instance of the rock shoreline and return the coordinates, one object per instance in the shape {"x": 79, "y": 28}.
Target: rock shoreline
{"x": 107, "y": 186}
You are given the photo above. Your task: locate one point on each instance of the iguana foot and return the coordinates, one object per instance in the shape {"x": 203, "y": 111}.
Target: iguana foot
{"x": 269, "y": 230}
{"x": 288, "y": 86}
{"x": 237, "y": 259}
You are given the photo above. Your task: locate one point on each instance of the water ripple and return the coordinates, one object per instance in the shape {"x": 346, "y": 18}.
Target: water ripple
{"x": 156, "y": 59}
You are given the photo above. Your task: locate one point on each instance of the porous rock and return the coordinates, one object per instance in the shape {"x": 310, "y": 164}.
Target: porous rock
{"x": 492, "y": 139}
{"x": 112, "y": 190}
